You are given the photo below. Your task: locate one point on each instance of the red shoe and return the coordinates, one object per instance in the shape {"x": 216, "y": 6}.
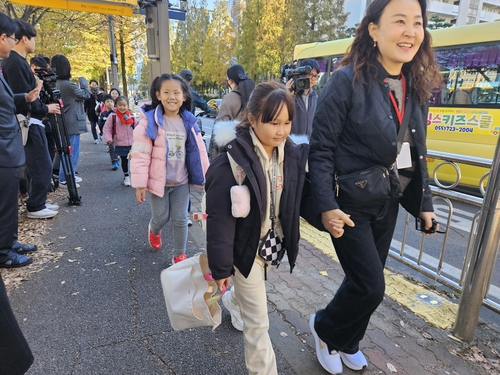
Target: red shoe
{"x": 179, "y": 258}
{"x": 154, "y": 239}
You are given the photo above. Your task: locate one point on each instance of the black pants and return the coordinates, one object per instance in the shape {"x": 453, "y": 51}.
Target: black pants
{"x": 124, "y": 160}
{"x": 39, "y": 167}
{"x": 9, "y": 185}
{"x": 15, "y": 354}
{"x": 362, "y": 252}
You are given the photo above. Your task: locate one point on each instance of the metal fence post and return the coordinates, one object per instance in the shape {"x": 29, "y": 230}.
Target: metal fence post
{"x": 482, "y": 260}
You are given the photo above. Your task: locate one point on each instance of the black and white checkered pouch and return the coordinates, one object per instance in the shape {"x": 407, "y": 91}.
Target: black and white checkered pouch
{"x": 272, "y": 247}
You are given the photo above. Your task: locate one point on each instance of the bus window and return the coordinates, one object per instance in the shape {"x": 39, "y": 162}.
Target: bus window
{"x": 470, "y": 76}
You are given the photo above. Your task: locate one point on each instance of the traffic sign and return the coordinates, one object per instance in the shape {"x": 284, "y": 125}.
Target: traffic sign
{"x": 115, "y": 7}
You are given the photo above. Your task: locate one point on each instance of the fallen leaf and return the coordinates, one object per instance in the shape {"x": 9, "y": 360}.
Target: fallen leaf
{"x": 323, "y": 273}
{"x": 78, "y": 248}
{"x": 391, "y": 367}
{"x": 427, "y": 336}
{"x": 454, "y": 338}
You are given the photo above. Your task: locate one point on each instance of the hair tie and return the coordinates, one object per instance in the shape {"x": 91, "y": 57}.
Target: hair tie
{"x": 242, "y": 77}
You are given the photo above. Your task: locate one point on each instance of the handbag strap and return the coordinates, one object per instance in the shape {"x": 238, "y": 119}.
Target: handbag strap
{"x": 272, "y": 183}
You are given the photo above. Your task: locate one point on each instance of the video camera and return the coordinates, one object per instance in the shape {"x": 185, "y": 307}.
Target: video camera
{"x": 300, "y": 82}
{"x": 49, "y": 94}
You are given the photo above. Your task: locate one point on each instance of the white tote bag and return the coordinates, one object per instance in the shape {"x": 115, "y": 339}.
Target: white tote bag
{"x": 191, "y": 294}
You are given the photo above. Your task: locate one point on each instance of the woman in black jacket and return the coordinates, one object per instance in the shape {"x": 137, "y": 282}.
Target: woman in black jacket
{"x": 384, "y": 83}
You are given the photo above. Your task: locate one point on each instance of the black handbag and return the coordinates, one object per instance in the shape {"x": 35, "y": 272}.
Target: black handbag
{"x": 373, "y": 183}
{"x": 363, "y": 186}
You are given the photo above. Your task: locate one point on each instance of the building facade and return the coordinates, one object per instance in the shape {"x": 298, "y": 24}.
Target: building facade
{"x": 459, "y": 12}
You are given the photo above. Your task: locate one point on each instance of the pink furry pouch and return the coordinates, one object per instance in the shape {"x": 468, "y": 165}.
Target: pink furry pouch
{"x": 240, "y": 200}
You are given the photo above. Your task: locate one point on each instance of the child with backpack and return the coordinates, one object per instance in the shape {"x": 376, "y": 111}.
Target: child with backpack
{"x": 109, "y": 105}
{"x": 118, "y": 129}
{"x": 168, "y": 154}
{"x": 253, "y": 197}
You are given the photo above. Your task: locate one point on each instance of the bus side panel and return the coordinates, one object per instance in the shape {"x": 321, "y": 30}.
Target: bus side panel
{"x": 464, "y": 131}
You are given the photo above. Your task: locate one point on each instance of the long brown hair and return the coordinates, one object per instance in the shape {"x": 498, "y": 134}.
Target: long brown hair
{"x": 422, "y": 68}
{"x": 265, "y": 103}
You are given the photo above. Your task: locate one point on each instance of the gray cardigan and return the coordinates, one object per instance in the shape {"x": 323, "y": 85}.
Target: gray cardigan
{"x": 73, "y": 98}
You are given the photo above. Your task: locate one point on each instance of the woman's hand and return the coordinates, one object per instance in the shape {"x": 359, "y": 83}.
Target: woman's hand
{"x": 223, "y": 284}
{"x": 140, "y": 195}
{"x": 427, "y": 217}
{"x": 334, "y": 221}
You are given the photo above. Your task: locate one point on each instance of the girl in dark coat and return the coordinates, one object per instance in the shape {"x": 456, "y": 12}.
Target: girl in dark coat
{"x": 271, "y": 169}
{"x": 383, "y": 84}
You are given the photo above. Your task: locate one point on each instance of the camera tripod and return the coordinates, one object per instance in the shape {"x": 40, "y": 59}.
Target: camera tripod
{"x": 63, "y": 148}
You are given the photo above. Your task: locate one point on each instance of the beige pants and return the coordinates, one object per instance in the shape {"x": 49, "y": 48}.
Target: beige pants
{"x": 250, "y": 294}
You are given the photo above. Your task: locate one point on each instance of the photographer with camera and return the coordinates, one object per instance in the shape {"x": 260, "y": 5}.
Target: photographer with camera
{"x": 300, "y": 82}
{"x": 17, "y": 72}
{"x": 73, "y": 95}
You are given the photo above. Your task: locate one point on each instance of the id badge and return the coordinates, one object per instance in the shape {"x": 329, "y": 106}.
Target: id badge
{"x": 404, "y": 157}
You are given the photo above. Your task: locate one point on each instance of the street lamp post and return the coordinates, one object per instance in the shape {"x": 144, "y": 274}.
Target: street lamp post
{"x": 157, "y": 14}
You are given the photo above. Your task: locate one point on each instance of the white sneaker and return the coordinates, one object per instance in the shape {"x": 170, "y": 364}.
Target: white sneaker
{"x": 126, "y": 181}
{"x": 78, "y": 179}
{"x": 330, "y": 361}
{"x": 64, "y": 184}
{"x": 96, "y": 141}
{"x": 354, "y": 361}
{"x": 53, "y": 207}
{"x": 234, "y": 309}
{"x": 42, "y": 214}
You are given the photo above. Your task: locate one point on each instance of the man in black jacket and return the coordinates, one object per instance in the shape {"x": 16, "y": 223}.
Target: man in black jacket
{"x": 198, "y": 101}
{"x": 15, "y": 354}
{"x": 18, "y": 74}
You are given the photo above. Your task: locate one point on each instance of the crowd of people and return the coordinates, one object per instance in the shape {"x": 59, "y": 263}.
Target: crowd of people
{"x": 370, "y": 116}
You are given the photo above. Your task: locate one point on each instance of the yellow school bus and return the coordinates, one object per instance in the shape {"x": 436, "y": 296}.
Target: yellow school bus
{"x": 464, "y": 114}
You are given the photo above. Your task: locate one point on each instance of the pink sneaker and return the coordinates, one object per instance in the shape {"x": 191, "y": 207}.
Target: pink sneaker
{"x": 154, "y": 239}
{"x": 179, "y": 258}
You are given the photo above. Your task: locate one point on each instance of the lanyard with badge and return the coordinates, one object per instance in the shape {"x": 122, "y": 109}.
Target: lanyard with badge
{"x": 403, "y": 159}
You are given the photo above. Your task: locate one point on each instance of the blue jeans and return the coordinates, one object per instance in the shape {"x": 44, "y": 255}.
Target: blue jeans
{"x": 74, "y": 140}
{"x": 362, "y": 252}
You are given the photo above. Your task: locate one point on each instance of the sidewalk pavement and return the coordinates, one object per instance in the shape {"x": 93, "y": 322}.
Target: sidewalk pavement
{"x": 98, "y": 308}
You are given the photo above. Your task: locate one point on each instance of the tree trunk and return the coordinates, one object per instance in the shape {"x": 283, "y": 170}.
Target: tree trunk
{"x": 122, "y": 63}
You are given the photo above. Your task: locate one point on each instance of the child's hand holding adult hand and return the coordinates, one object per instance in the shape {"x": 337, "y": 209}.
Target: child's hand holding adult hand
{"x": 334, "y": 221}
{"x": 140, "y": 195}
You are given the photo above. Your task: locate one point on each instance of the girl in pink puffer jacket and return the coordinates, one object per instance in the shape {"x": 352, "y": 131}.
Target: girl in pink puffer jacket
{"x": 168, "y": 155}
{"x": 118, "y": 129}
